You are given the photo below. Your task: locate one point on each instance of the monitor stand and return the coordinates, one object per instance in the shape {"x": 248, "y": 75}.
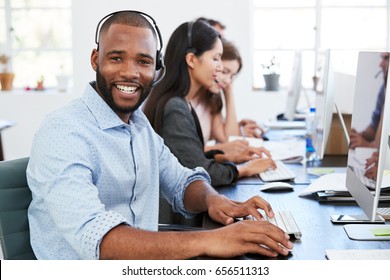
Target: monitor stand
{"x": 356, "y": 219}
{"x": 342, "y": 122}
{"x": 368, "y": 232}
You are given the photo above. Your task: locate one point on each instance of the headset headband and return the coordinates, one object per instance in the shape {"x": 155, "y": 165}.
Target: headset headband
{"x": 190, "y": 48}
{"x": 148, "y": 17}
{"x": 159, "y": 57}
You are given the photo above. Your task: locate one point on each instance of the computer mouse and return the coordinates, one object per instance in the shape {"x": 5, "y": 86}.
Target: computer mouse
{"x": 277, "y": 186}
{"x": 265, "y": 138}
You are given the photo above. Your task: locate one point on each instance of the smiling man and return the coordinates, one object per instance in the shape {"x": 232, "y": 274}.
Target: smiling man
{"x": 124, "y": 78}
{"x": 97, "y": 168}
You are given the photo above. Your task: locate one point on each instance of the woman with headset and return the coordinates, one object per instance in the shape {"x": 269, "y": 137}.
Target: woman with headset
{"x": 193, "y": 62}
{"x": 208, "y": 105}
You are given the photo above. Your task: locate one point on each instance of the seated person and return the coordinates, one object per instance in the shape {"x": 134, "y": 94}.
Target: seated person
{"x": 208, "y": 107}
{"x": 196, "y": 64}
{"x": 246, "y": 127}
{"x": 372, "y": 166}
{"x": 368, "y": 137}
{"x": 217, "y": 25}
{"x": 97, "y": 167}
{"x": 372, "y": 162}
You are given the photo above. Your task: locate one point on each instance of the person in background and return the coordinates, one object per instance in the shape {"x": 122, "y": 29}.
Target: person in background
{"x": 372, "y": 166}
{"x": 208, "y": 106}
{"x": 369, "y": 136}
{"x": 246, "y": 127}
{"x": 97, "y": 167}
{"x": 217, "y": 25}
{"x": 196, "y": 63}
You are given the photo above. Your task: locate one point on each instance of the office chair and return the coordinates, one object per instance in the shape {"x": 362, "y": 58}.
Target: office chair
{"x": 15, "y": 197}
{"x": 169, "y": 220}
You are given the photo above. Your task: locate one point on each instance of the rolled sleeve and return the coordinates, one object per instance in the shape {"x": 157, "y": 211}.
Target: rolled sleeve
{"x": 96, "y": 230}
{"x": 197, "y": 174}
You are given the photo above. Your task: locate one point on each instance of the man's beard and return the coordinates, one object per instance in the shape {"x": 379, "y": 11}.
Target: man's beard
{"x": 105, "y": 92}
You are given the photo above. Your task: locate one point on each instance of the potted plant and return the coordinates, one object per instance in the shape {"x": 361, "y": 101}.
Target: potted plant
{"x": 6, "y": 77}
{"x": 271, "y": 75}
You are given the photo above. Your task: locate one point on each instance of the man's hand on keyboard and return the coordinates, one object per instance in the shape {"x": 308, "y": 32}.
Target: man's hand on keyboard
{"x": 255, "y": 236}
{"x": 243, "y": 237}
{"x": 225, "y": 211}
{"x": 256, "y": 166}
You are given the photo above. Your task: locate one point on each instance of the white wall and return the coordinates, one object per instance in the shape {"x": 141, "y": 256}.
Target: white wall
{"x": 28, "y": 110}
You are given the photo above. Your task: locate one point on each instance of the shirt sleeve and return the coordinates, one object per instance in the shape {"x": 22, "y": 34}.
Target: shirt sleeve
{"x": 180, "y": 135}
{"x": 174, "y": 178}
{"x": 61, "y": 178}
{"x": 377, "y": 113}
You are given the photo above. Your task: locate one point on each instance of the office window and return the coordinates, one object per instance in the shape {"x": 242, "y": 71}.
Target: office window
{"x": 37, "y": 35}
{"x": 2, "y": 26}
{"x": 345, "y": 26}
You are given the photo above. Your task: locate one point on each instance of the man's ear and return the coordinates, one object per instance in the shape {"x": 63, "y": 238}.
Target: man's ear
{"x": 190, "y": 58}
{"x": 94, "y": 59}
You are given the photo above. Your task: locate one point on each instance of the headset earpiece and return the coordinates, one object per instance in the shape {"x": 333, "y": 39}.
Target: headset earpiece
{"x": 159, "y": 61}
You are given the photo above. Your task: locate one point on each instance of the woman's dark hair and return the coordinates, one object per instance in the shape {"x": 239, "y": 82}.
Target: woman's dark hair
{"x": 214, "y": 101}
{"x": 196, "y": 37}
{"x": 230, "y": 52}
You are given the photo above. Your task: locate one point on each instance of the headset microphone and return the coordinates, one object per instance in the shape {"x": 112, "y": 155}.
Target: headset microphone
{"x": 377, "y": 74}
{"x": 161, "y": 76}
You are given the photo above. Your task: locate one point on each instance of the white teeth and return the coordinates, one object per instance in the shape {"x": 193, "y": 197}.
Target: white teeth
{"x": 126, "y": 89}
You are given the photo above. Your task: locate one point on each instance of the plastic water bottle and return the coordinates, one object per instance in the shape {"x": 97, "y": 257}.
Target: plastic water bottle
{"x": 311, "y": 127}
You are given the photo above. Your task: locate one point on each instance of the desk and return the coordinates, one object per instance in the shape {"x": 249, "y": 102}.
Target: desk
{"x": 313, "y": 218}
{"x": 302, "y": 178}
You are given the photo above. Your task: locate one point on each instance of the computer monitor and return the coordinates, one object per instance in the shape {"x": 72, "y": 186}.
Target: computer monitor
{"x": 326, "y": 106}
{"x": 324, "y": 103}
{"x": 366, "y": 192}
{"x": 295, "y": 87}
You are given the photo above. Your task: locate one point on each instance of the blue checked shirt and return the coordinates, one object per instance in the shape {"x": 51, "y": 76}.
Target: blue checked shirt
{"x": 89, "y": 172}
{"x": 377, "y": 113}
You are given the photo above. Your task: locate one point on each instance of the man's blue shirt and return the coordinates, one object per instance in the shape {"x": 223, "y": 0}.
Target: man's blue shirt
{"x": 89, "y": 172}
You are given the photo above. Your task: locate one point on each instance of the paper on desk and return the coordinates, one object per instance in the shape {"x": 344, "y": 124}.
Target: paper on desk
{"x": 336, "y": 182}
{"x": 328, "y": 182}
{"x": 357, "y": 254}
{"x": 254, "y": 142}
{"x": 381, "y": 231}
{"x": 285, "y": 124}
{"x": 291, "y": 151}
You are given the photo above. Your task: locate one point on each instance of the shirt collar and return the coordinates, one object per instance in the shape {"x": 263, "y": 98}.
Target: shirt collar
{"x": 104, "y": 115}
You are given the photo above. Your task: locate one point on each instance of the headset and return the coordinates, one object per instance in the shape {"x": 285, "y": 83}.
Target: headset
{"x": 190, "y": 49}
{"x": 159, "y": 56}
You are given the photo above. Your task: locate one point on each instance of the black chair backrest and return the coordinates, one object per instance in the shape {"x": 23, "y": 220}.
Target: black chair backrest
{"x": 15, "y": 197}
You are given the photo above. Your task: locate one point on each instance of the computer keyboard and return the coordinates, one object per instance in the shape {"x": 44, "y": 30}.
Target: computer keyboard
{"x": 285, "y": 220}
{"x": 384, "y": 212}
{"x": 282, "y": 172}
{"x": 365, "y": 180}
